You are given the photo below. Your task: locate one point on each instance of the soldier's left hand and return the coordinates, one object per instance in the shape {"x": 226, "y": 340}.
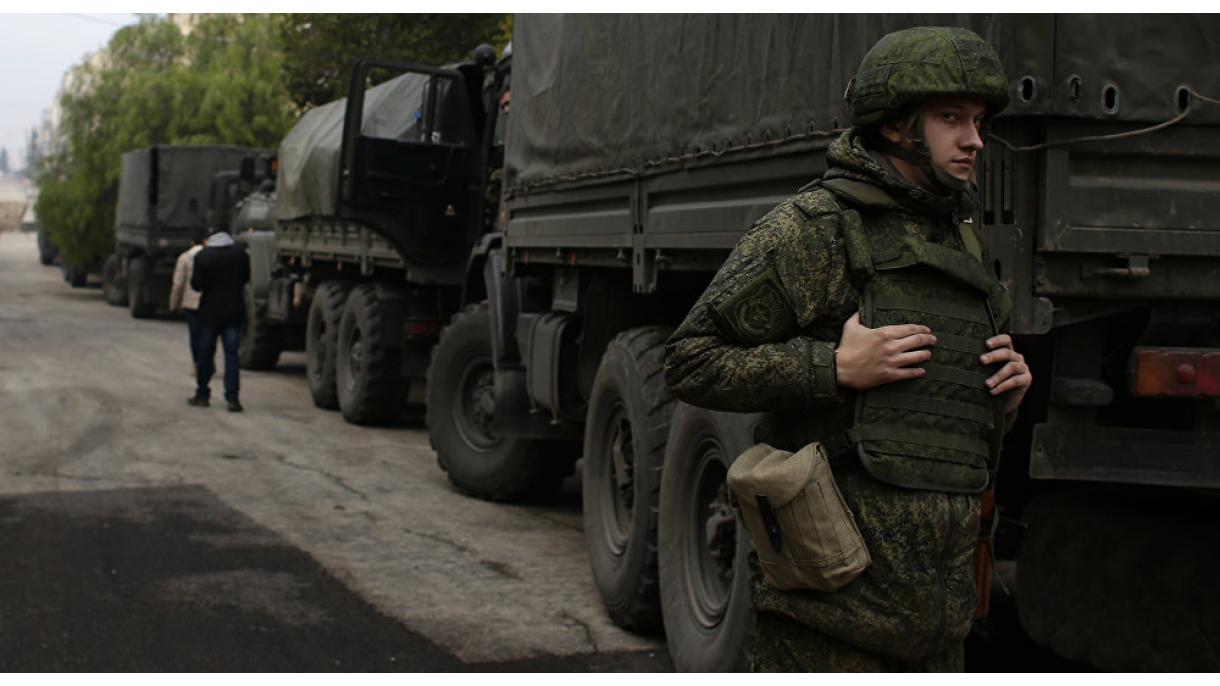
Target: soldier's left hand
{"x": 1014, "y": 376}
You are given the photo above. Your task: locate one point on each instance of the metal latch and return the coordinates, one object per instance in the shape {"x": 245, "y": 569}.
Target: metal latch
{"x": 1137, "y": 268}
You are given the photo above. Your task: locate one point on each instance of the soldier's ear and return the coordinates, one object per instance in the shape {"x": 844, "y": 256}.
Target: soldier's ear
{"x": 893, "y": 131}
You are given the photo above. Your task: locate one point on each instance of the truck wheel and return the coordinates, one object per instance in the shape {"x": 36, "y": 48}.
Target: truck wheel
{"x": 704, "y": 575}
{"x": 1122, "y": 583}
{"x": 114, "y": 291}
{"x": 260, "y": 340}
{"x": 460, "y": 407}
{"x": 76, "y": 278}
{"x": 46, "y": 251}
{"x": 322, "y": 341}
{"x": 367, "y": 376}
{"x": 137, "y": 300}
{"x": 625, "y": 434}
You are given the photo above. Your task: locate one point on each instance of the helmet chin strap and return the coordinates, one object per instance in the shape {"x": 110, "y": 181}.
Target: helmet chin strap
{"x": 942, "y": 183}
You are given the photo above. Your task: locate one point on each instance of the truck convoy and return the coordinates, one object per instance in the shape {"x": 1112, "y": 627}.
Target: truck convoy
{"x": 379, "y": 200}
{"x": 165, "y": 192}
{"x": 533, "y": 319}
{"x": 639, "y": 150}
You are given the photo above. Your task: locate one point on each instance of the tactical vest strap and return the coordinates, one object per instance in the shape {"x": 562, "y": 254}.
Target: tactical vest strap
{"x": 953, "y": 375}
{"x": 960, "y": 344}
{"x": 919, "y": 403}
{"x": 936, "y": 307}
{"x": 970, "y": 240}
{"x": 855, "y": 244}
{"x": 973, "y": 448}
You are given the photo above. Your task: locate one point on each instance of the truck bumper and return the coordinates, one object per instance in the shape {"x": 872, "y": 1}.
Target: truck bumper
{"x": 1125, "y": 455}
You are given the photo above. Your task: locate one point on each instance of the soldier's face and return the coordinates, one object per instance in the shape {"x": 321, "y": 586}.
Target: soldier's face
{"x": 951, "y": 132}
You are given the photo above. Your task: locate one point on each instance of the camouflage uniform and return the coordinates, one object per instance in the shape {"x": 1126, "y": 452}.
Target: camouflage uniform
{"x": 761, "y": 338}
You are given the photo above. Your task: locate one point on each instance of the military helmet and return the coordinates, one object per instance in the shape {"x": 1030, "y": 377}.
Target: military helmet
{"x": 910, "y": 66}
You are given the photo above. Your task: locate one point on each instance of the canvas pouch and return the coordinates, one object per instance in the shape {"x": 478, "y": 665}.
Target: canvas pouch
{"x": 803, "y": 532}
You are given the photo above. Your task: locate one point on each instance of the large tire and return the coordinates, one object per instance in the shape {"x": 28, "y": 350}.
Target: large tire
{"x": 137, "y": 298}
{"x": 703, "y": 547}
{"x": 76, "y": 278}
{"x": 368, "y": 366}
{"x": 460, "y": 406}
{"x": 46, "y": 249}
{"x": 1124, "y": 584}
{"x": 625, "y": 435}
{"x": 113, "y": 288}
{"x": 261, "y": 340}
{"x": 322, "y": 341}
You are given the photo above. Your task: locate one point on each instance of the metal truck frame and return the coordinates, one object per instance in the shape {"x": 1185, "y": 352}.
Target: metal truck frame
{"x": 368, "y": 287}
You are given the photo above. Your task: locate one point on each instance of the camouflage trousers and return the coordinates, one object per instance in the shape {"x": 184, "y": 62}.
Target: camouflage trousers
{"x": 909, "y": 611}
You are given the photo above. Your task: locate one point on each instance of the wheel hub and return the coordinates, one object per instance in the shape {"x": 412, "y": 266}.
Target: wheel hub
{"x": 712, "y": 536}
{"x": 474, "y": 412}
{"x": 620, "y": 482}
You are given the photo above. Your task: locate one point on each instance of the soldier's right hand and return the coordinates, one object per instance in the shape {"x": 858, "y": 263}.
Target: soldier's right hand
{"x": 868, "y": 357}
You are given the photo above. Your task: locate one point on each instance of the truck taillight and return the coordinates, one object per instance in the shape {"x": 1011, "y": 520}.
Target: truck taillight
{"x": 423, "y": 328}
{"x": 1175, "y": 372}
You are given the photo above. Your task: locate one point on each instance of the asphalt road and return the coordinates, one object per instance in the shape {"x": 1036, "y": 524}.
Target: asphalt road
{"x": 139, "y": 534}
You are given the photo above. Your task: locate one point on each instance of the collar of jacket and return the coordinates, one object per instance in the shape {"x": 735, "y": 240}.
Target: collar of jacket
{"x": 864, "y": 177}
{"x": 219, "y": 239}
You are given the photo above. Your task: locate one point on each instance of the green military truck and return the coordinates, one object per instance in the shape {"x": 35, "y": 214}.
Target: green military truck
{"x": 379, "y": 200}
{"x": 640, "y": 149}
{"x": 164, "y": 199}
{"x": 253, "y": 225}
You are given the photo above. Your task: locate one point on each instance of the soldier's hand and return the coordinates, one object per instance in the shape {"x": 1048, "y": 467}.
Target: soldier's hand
{"x": 1013, "y": 378}
{"x": 871, "y": 357}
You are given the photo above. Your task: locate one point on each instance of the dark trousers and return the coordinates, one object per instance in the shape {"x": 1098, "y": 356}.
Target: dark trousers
{"x": 205, "y": 360}
{"x": 192, "y": 332}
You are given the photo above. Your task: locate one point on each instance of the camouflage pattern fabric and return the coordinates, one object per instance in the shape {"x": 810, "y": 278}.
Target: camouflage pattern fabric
{"x": 909, "y": 611}
{"x": 912, "y": 608}
{"x": 915, "y": 64}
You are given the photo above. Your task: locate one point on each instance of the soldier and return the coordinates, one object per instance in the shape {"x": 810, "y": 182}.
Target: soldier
{"x": 859, "y": 314}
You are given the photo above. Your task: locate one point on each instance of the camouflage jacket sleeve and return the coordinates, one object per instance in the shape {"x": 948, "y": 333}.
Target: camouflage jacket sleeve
{"x": 762, "y": 336}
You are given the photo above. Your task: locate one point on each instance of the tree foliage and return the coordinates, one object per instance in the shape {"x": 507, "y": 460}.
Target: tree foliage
{"x": 219, "y": 84}
{"x": 320, "y": 48}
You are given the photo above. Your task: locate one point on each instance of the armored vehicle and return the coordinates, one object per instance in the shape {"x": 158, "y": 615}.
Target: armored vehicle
{"x": 641, "y": 148}
{"x": 164, "y": 196}
{"x": 379, "y": 199}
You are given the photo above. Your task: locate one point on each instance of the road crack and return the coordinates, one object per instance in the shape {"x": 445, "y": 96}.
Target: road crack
{"x": 573, "y": 619}
{"x": 439, "y": 539}
{"x": 282, "y": 459}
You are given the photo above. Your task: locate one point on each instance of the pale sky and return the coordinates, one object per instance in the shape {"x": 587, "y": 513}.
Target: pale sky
{"x": 35, "y": 51}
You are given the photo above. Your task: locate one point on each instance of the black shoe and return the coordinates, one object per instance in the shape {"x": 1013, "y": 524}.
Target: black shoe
{"x": 234, "y": 406}
{"x": 197, "y": 401}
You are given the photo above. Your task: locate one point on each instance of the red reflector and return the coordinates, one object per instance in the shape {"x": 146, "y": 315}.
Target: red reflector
{"x": 424, "y": 328}
{"x": 1175, "y": 371}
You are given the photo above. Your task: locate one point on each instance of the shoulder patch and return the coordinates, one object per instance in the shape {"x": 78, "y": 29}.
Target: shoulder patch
{"x": 757, "y": 313}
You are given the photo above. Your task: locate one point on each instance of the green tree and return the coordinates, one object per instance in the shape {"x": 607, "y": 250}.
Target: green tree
{"x": 319, "y": 48}
{"x": 220, "y": 84}
{"x": 3, "y": 161}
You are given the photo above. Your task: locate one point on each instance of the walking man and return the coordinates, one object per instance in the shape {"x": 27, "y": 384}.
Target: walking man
{"x": 220, "y": 274}
{"x": 183, "y": 297}
{"x": 859, "y": 314}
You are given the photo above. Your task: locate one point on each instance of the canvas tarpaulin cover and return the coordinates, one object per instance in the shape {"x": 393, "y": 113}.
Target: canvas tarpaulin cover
{"x": 183, "y": 175}
{"x": 596, "y": 94}
{"x": 309, "y": 155}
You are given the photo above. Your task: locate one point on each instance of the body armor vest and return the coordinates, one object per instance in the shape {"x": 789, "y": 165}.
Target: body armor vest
{"x": 941, "y": 431}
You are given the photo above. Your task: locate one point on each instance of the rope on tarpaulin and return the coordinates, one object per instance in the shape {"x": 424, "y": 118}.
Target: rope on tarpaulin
{"x": 1190, "y": 107}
